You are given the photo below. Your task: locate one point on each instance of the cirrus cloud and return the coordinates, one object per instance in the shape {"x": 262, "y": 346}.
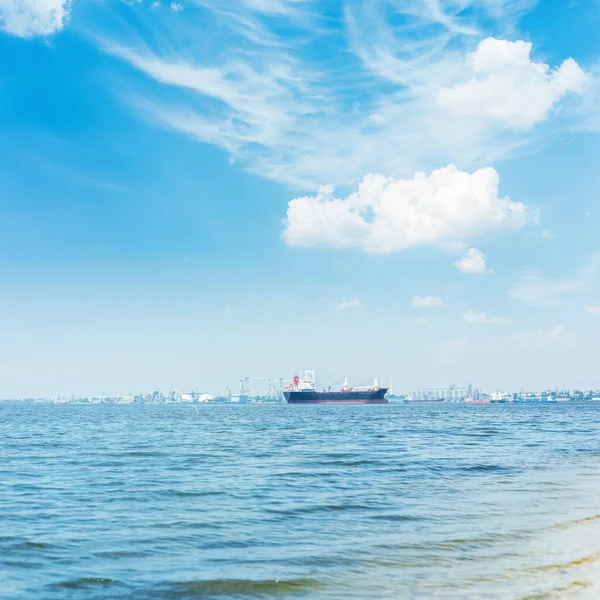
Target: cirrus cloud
{"x": 428, "y": 302}
{"x": 349, "y": 304}
{"x": 479, "y": 318}
{"x": 555, "y": 337}
{"x": 415, "y": 85}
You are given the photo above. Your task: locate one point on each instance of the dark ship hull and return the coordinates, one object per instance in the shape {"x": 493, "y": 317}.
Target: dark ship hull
{"x": 376, "y": 396}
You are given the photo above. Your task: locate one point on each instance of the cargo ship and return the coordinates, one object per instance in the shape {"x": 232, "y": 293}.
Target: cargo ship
{"x": 304, "y": 390}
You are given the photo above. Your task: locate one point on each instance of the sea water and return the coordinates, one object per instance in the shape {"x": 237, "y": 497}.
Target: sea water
{"x": 282, "y": 501}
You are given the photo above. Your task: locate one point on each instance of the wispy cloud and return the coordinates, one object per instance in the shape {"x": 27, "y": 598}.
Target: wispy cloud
{"x": 388, "y": 100}
{"x": 428, "y": 302}
{"x": 533, "y": 289}
{"x": 555, "y": 337}
{"x": 349, "y": 304}
{"x": 479, "y": 318}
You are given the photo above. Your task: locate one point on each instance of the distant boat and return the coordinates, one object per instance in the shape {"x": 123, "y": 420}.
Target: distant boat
{"x": 304, "y": 390}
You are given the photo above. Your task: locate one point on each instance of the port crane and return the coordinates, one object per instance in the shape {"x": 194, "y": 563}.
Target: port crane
{"x": 274, "y": 386}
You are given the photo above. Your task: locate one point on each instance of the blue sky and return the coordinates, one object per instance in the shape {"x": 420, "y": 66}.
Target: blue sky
{"x": 192, "y": 194}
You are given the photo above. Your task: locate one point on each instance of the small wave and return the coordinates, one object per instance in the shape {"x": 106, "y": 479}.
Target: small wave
{"x": 19, "y": 564}
{"x": 318, "y": 508}
{"x": 136, "y": 453}
{"x": 117, "y": 554}
{"x": 488, "y": 469}
{"x": 575, "y": 522}
{"x": 579, "y": 562}
{"x": 184, "y": 494}
{"x": 395, "y": 518}
{"x": 246, "y": 588}
{"x": 36, "y": 545}
{"x": 560, "y": 593}
{"x": 84, "y": 582}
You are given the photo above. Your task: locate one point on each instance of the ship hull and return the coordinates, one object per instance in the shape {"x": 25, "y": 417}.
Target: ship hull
{"x": 349, "y": 397}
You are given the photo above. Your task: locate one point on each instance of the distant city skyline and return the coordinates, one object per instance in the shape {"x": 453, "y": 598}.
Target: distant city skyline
{"x": 193, "y": 195}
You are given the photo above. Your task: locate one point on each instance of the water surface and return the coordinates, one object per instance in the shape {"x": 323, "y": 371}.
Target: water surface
{"x": 353, "y": 502}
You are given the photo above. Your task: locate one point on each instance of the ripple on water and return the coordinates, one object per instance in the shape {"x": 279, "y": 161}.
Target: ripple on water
{"x": 244, "y": 588}
{"x": 87, "y": 582}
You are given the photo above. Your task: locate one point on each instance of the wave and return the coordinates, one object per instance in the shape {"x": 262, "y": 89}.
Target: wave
{"x": 246, "y": 588}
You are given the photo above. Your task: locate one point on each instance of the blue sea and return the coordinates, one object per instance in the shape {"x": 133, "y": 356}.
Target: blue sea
{"x": 282, "y": 501}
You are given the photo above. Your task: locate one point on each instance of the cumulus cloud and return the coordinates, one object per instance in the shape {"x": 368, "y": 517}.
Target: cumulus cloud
{"x": 349, "y": 304}
{"x": 593, "y": 309}
{"x": 386, "y": 214}
{"x": 176, "y": 7}
{"x": 509, "y": 87}
{"x": 477, "y": 318}
{"x": 31, "y": 18}
{"x": 554, "y": 337}
{"x": 421, "y": 321}
{"x": 473, "y": 263}
{"x": 428, "y": 302}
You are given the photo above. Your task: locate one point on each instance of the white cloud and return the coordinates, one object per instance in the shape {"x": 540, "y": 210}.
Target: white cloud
{"x": 533, "y": 289}
{"x": 428, "y": 302}
{"x": 387, "y": 215}
{"x": 473, "y": 263}
{"x": 477, "y": 318}
{"x": 256, "y": 90}
{"x": 349, "y": 304}
{"x": 593, "y": 309}
{"x": 509, "y": 87}
{"x": 176, "y": 7}
{"x": 376, "y": 119}
{"x": 421, "y": 321}
{"x": 31, "y": 18}
{"x": 545, "y": 338}
{"x": 274, "y": 7}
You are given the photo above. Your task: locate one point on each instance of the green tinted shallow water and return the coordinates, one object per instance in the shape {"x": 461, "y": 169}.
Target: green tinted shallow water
{"x": 287, "y": 501}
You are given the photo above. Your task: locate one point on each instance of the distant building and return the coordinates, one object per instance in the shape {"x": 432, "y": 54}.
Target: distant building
{"x": 450, "y": 394}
